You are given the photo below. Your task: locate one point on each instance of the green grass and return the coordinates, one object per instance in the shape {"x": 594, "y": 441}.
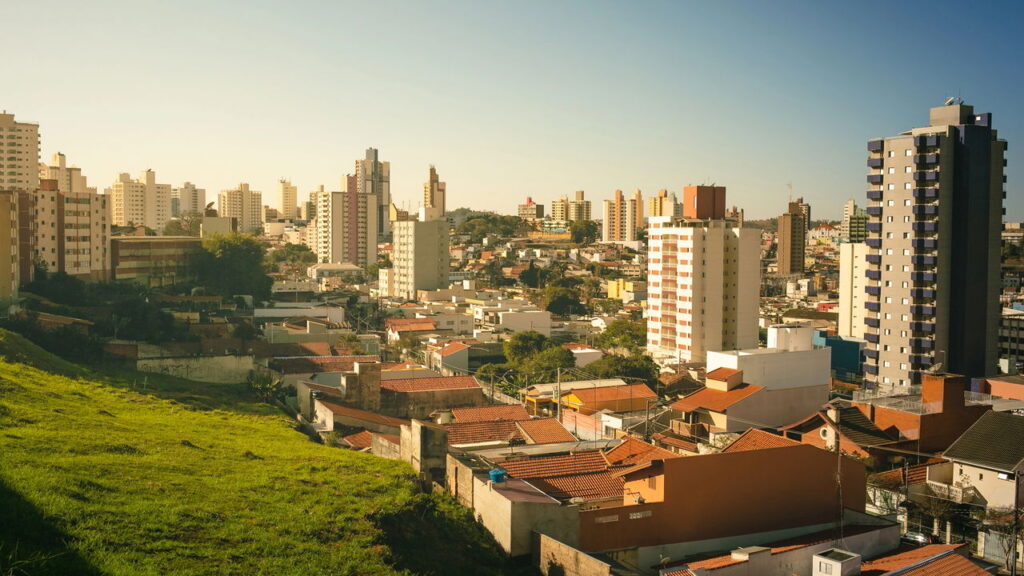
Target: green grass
{"x": 101, "y": 479}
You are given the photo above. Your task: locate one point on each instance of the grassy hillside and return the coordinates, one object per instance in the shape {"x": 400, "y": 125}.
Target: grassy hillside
{"x": 101, "y": 479}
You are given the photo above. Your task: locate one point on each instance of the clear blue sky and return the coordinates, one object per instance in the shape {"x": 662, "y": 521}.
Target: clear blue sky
{"x": 508, "y": 99}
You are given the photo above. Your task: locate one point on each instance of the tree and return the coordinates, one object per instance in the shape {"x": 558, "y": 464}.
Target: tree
{"x": 623, "y": 334}
{"x": 188, "y": 224}
{"x": 583, "y": 232}
{"x": 531, "y": 277}
{"x": 1005, "y": 524}
{"x": 562, "y": 301}
{"x": 613, "y": 366}
{"x": 294, "y": 254}
{"x": 232, "y": 265}
{"x": 523, "y": 345}
{"x": 544, "y": 365}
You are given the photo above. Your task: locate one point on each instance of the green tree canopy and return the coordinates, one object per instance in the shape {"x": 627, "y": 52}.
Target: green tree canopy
{"x": 583, "y": 232}
{"x": 543, "y": 366}
{"x": 623, "y": 334}
{"x": 234, "y": 264}
{"x": 524, "y": 344}
{"x": 636, "y": 366}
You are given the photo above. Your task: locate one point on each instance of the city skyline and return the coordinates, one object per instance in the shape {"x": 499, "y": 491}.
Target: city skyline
{"x": 593, "y": 97}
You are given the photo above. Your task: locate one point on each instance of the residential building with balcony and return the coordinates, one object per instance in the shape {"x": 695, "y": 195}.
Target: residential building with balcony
{"x": 346, "y": 226}
{"x": 933, "y": 282}
{"x": 702, "y": 290}
{"x": 531, "y": 210}
{"x": 792, "y": 241}
{"x": 620, "y": 218}
{"x": 373, "y": 177}
{"x": 19, "y": 154}
{"x": 854, "y": 223}
{"x": 142, "y": 202}
{"x": 853, "y": 267}
{"x": 188, "y": 199}
{"x": 243, "y": 204}
{"x": 664, "y": 204}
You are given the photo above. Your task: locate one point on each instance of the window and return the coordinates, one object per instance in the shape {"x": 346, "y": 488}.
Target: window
{"x": 906, "y": 202}
{"x": 905, "y": 301}
{"x": 892, "y": 170}
{"x": 892, "y": 153}
{"x": 903, "y": 366}
{"x": 906, "y": 285}
{"x": 888, "y": 219}
{"x": 906, "y": 252}
{"x": 888, "y": 316}
{"x": 888, "y": 251}
{"x": 825, "y": 567}
{"x": 887, "y": 364}
{"x": 892, "y": 186}
{"x": 904, "y": 317}
{"x": 906, "y": 186}
{"x": 906, "y": 218}
{"x": 906, "y": 269}
{"x": 907, "y": 169}
{"x": 892, "y": 202}
{"x": 909, "y": 152}
{"x": 903, "y": 333}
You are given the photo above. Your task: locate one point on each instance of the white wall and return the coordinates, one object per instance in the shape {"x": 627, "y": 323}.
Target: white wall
{"x": 777, "y": 369}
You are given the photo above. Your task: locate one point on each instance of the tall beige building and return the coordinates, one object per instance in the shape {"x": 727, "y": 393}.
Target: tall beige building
{"x": 374, "y": 177}
{"x": 566, "y": 210}
{"x": 620, "y": 217}
{"x": 664, "y": 204}
{"x": 243, "y": 204}
{"x": 19, "y": 154}
{"x": 421, "y": 259}
{"x": 289, "y": 200}
{"x": 72, "y": 223}
{"x": 853, "y": 265}
{"x": 10, "y": 274}
{"x": 189, "y": 198}
{"x": 638, "y": 217}
{"x": 346, "y": 225}
{"x": 703, "y": 287}
{"x": 140, "y": 202}
{"x": 433, "y": 196}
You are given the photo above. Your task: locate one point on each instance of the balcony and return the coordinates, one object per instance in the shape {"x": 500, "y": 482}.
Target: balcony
{"x": 953, "y": 492}
{"x": 925, "y": 226}
{"x": 926, "y": 176}
{"x": 874, "y": 274}
{"x": 873, "y": 306}
{"x": 872, "y": 322}
{"x": 918, "y": 361}
{"x": 875, "y": 162}
{"x": 924, "y": 261}
{"x": 874, "y": 194}
{"x": 925, "y": 293}
{"x": 923, "y": 277}
{"x": 874, "y": 210}
{"x": 874, "y": 226}
{"x": 919, "y": 310}
{"x": 926, "y": 193}
{"x": 926, "y": 158}
{"x": 926, "y": 140}
{"x": 870, "y": 369}
{"x": 874, "y": 178}
{"x": 873, "y": 338}
{"x": 873, "y": 354}
{"x": 873, "y": 242}
{"x": 925, "y": 210}
{"x": 874, "y": 258}
{"x": 872, "y": 290}
{"x": 921, "y": 344}
{"x": 924, "y": 244}
{"x": 876, "y": 145}
{"x": 926, "y": 327}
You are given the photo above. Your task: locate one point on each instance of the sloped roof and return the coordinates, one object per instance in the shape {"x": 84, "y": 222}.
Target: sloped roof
{"x": 715, "y": 400}
{"x": 856, "y": 427}
{"x": 613, "y": 393}
{"x": 560, "y": 465}
{"x": 429, "y": 384}
{"x": 722, "y": 373}
{"x": 675, "y": 442}
{"x": 632, "y": 452}
{"x": 995, "y": 441}
{"x": 475, "y": 432}
{"x": 359, "y": 441}
{"x": 544, "y": 431}
{"x": 586, "y": 486}
{"x": 363, "y": 415}
{"x": 933, "y": 560}
{"x": 309, "y": 364}
{"x": 755, "y": 439}
{"x": 490, "y": 413}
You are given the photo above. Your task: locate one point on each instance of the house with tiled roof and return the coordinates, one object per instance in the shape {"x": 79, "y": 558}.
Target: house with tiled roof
{"x": 331, "y": 416}
{"x": 756, "y": 439}
{"x": 544, "y": 431}
{"x": 633, "y": 452}
{"x": 290, "y": 369}
{"x": 398, "y": 327}
{"x": 489, "y": 413}
{"x": 932, "y": 560}
{"x": 624, "y": 398}
{"x": 845, "y": 425}
{"x": 505, "y": 432}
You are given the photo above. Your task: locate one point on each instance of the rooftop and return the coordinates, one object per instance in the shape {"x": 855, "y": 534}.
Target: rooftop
{"x": 612, "y": 393}
{"x": 430, "y": 384}
{"x": 715, "y": 400}
{"x": 544, "y": 431}
{"x": 490, "y": 413}
{"x": 362, "y": 415}
{"x": 995, "y": 441}
{"x": 632, "y": 452}
{"x": 559, "y": 465}
{"x": 932, "y": 560}
{"x": 755, "y": 439}
{"x": 309, "y": 364}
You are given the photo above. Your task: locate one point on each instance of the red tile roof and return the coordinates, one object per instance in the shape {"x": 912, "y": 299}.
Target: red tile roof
{"x": 410, "y": 324}
{"x": 675, "y": 442}
{"x": 490, "y": 413}
{"x": 310, "y": 364}
{"x": 429, "y": 384}
{"x": 934, "y": 560}
{"x": 722, "y": 373}
{"x": 613, "y": 393}
{"x": 363, "y": 415}
{"x": 475, "y": 432}
{"x": 586, "y": 486}
{"x": 780, "y": 546}
{"x": 755, "y": 439}
{"x": 715, "y": 400}
{"x": 632, "y": 452}
{"x": 359, "y": 441}
{"x": 544, "y": 431}
{"x": 550, "y": 466}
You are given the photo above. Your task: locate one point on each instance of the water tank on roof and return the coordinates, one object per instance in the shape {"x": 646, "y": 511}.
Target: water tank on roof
{"x": 498, "y": 476}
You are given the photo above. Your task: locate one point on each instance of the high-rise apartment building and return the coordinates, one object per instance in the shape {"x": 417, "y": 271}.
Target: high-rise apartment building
{"x": 531, "y": 210}
{"x": 704, "y": 202}
{"x": 638, "y": 216}
{"x": 346, "y": 225}
{"x": 10, "y": 240}
{"x": 141, "y": 202}
{"x": 71, "y": 223}
{"x": 19, "y": 154}
{"x": 188, "y": 199}
{"x": 805, "y": 209}
{"x": 664, "y": 204}
{"x": 420, "y": 257}
{"x": 566, "y": 210}
{"x": 935, "y": 207}
{"x": 792, "y": 240}
{"x": 374, "y": 177}
{"x": 703, "y": 287}
{"x": 620, "y": 219}
{"x": 433, "y": 196}
{"x": 854, "y": 223}
{"x": 244, "y": 205}
{"x": 853, "y": 265}
{"x": 289, "y": 200}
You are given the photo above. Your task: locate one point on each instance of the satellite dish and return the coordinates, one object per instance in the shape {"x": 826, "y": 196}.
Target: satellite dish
{"x": 949, "y": 101}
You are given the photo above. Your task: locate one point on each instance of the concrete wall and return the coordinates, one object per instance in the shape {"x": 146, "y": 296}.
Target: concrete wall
{"x": 557, "y": 559}
{"x": 776, "y": 368}
{"x": 422, "y": 404}
{"x": 424, "y": 445}
{"x": 513, "y": 521}
{"x": 776, "y": 407}
{"x": 212, "y": 369}
{"x": 379, "y": 446}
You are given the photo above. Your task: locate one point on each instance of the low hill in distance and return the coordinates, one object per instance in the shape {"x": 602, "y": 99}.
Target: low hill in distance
{"x": 101, "y": 479}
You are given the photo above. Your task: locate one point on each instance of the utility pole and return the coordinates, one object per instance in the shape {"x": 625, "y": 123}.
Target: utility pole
{"x": 1016, "y": 522}
{"x": 647, "y": 422}
{"x": 558, "y": 394}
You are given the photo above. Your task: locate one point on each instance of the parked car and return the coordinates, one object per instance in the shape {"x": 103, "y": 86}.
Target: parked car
{"x": 916, "y": 539}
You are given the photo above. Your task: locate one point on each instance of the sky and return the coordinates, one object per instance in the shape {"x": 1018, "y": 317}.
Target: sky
{"x": 508, "y": 99}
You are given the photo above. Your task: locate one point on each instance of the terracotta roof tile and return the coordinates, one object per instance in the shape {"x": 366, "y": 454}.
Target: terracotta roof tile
{"x": 310, "y": 364}
{"x": 586, "y": 486}
{"x": 613, "y": 393}
{"x": 550, "y": 466}
{"x": 755, "y": 439}
{"x": 722, "y": 373}
{"x": 490, "y": 413}
{"x": 544, "y": 431}
{"x": 429, "y": 384}
{"x": 715, "y": 400}
{"x": 632, "y": 452}
{"x": 934, "y": 560}
{"x": 362, "y": 415}
{"x": 359, "y": 441}
{"x": 675, "y": 442}
{"x": 475, "y": 432}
